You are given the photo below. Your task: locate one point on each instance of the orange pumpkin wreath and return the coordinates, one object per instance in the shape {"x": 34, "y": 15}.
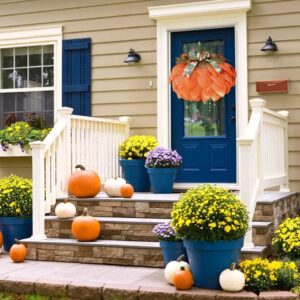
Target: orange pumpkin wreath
{"x": 207, "y": 77}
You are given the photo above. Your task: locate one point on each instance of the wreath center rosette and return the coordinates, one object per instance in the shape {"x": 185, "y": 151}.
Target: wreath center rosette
{"x": 202, "y": 78}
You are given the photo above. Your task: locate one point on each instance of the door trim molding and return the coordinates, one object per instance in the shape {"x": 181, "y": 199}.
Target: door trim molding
{"x": 197, "y": 16}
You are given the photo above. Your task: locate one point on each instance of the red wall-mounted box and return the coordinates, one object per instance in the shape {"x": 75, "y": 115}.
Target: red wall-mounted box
{"x": 272, "y": 86}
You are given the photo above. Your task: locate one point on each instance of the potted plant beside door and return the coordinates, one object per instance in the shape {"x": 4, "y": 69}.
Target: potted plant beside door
{"x": 15, "y": 209}
{"x": 133, "y": 152}
{"x": 212, "y": 222}
{"x": 162, "y": 164}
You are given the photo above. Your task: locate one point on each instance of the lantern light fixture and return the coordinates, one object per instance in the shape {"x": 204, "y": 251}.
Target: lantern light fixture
{"x": 269, "y": 47}
{"x": 132, "y": 57}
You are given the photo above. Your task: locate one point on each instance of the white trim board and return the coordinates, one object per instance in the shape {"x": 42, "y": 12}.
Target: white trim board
{"x": 193, "y": 16}
{"x": 39, "y": 35}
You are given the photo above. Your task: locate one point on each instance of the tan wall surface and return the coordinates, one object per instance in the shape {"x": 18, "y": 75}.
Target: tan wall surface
{"x": 115, "y": 26}
{"x": 20, "y": 166}
{"x": 281, "y": 20}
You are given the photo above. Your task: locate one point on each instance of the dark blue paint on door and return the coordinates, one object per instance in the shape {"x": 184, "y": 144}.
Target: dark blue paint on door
{"x": 205, "y": 133}
{"x": 77, "y": 75}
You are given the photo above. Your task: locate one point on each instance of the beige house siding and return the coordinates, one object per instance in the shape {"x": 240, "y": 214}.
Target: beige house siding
{"x": 280, "y": 20}
{"x": 115, "y": 26}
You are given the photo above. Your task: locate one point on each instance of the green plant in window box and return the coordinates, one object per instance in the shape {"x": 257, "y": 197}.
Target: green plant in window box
{"x": 21, "y": 133}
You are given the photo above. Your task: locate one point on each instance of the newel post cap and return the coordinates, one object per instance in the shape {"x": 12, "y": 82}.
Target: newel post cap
{"x": 125, "y": 119}
{"x": 64, "y": 112}
{"x": 257, "y": 103}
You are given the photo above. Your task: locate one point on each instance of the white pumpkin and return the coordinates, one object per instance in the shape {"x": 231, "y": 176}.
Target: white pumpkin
{"x": 232, "y": 280}
{"x": 65, "y": 210}
{"x": 112, "y": 186}
{"x": 173, "y": 266}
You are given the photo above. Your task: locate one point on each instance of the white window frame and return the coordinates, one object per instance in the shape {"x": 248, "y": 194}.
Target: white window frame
{"x": 197, "y": 16}
{"x": 38, "y": 36}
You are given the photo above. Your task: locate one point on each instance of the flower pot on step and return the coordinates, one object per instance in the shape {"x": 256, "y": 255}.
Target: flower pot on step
{"x": 135, "y": 173}
{"x": 208, "y": 259}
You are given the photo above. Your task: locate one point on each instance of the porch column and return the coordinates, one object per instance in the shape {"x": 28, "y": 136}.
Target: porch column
{"x": 38, "y": 190}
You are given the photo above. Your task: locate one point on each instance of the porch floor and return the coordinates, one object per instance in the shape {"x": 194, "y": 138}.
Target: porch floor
{"x": 82, "y": 281}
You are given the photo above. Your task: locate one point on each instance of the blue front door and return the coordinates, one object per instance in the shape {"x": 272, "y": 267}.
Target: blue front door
{"x": 204, "y": 133}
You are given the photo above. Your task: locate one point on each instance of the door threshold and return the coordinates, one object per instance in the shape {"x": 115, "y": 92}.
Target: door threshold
{"x": 182, "y": 186}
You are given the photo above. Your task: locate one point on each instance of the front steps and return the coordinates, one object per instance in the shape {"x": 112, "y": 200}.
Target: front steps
{"x": 126, "y": 229}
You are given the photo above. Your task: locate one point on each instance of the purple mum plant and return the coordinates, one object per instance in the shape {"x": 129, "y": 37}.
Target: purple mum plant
{"x": 163, "y": 158}
{"x": 164, "y": 231}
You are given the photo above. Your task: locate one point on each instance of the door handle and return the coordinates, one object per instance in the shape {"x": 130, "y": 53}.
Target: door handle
{"x": 233, "y": 118}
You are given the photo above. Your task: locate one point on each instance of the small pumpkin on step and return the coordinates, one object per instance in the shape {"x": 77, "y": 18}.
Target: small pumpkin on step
{"x": 84, "y": 183}
{"x": 85, "y": 228}
{"x": 173, "y": 266}
{"x": 65, "y": 210}
{"x": 232, "y": 280}
{"x": 126, "y": 190}
{"x": 17, "y": 252}
{"x": 183, "y": 279}
{"x": 113, "y": 186}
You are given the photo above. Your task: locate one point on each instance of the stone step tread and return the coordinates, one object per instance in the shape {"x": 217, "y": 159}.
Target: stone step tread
{"x": 261, "y": 224}
{"x": 115, "y": 220}
{"x": 150, "y": 221}
{"x": 140, "y": 197}
{"x": 271, "y": 197}
{"x": 116, "y": 243}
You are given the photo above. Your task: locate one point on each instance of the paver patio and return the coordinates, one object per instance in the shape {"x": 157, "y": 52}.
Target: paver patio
{"x": 82, "y": 281}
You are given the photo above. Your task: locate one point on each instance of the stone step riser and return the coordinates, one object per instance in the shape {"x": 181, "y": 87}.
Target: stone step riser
{"x": 125, "y": 256}
{"x": 109, "y": 231}
{"x": 137, "y": 232}
{"x": 96, "y": 255}
{"x": 277, "y": 211}
{"x": 124, "y": 209}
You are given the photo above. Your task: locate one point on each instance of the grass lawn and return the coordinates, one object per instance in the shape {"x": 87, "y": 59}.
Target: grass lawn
{"x": 4, "y": 296}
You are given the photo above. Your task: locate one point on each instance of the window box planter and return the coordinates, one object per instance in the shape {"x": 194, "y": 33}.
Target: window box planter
{"x": 15, "y": 151}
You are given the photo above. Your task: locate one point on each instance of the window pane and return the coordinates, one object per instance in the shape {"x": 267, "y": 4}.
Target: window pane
{"x": 8, "y": 79}
{"x": 35, "y": 75}
{"x": 20, "y": 78}
{"x": 48, "y": 55}
{"x": 48, "y": 76}
{"x": 35, "y": 56}
{"x": 25, "y": 106}
{"x": 7, "y": 58}
{"x": 21, "y": 57}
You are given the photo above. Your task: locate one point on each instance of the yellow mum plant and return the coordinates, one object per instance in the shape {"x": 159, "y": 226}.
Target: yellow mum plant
{"x": 262, "y": 274}
{"x": 286, "y": 241}
{"x": 209, "y": 213}
{"x": 15, "y": 196}
{"x": 137, "y": 147}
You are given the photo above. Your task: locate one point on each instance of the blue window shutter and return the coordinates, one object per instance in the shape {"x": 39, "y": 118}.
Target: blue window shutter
{"x": 76, "y": 77}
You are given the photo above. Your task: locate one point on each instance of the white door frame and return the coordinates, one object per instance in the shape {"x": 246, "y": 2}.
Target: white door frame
{"x": 192, "y": 16}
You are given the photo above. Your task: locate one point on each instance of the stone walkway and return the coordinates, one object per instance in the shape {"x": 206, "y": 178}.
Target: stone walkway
{"x": 86, "y": 281}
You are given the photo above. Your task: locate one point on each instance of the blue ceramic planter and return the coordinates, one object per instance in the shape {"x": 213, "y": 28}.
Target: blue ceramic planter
{"x": 172, "y": 250}
{"x": 15, "y": 228}
{"x": 208, "y": 259}
{"x": 162, "y": 179}
{"x": 135, "y": 173}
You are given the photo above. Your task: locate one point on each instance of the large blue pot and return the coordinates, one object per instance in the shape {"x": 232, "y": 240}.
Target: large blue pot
{"x": 162, "y": 179}
{"x": 15, "y": 228}
{"x": 208, "y": 259}
{"x": 172, "y": 250}
{"x": 135, "y": 173}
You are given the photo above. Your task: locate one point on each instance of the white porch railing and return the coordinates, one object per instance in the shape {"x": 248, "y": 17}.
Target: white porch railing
{"x": 263, "y": 156}
{"x": 91, "y": 142}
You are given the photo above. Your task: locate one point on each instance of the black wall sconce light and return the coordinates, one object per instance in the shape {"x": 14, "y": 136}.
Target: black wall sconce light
{"x": 132, "y": 57}
{"x": 269, "y": 47}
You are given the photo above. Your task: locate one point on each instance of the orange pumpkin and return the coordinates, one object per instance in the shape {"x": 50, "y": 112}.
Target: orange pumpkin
{"x": 126, "y": 190}
{"x": 183, "y": 279}
{"x": 1, "y": 239}
{"x": 85, "y": 228}
{"x": 17, "y": 252}
{"x": 84, "y": 183}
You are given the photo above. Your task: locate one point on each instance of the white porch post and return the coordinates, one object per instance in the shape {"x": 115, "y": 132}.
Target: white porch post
{"x": 38, "y": 190}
